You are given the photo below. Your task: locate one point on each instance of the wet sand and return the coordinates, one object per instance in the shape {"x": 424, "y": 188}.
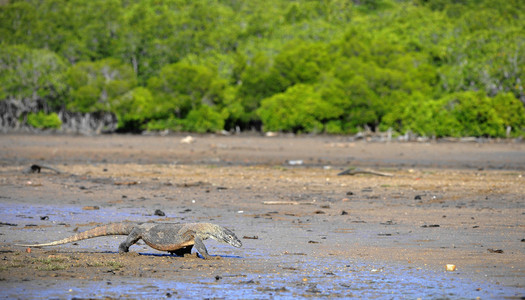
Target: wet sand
{"x": 306, "y": 232}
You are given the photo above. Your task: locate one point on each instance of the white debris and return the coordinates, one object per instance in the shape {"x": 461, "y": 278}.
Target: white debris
{"x": 188, "y": 140}
{"x": 297, "y": 162}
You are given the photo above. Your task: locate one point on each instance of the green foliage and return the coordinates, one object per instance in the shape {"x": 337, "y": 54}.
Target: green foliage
{"x": 423, "y": 116}
{"x": 459, "y": 114}
{"x": 171, "y": 123}
{"x": 334, "y": 127}
{"x": 31, "y": 74}
{"x": 133, "y": 109}
{"x": 254, "y": 84}
{"x": 44, "y": 121}
{"x": 511, "y": 111}
{"x": 201, "y": 120}
{"x": 95, "y": 85}
{"x": 204, "y": 119}
{"x": 299, "y": 62}
{"x": 434, "y": 67}
{"x": 300, "y": 108}
{"x": 475, "y": 112}
{"x": 181, "y": 87}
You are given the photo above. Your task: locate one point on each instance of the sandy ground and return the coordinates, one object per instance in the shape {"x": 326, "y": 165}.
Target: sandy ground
{"x": 306, "y": 232}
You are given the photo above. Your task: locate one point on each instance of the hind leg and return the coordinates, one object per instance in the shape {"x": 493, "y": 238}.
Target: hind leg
{"x": 133, "y": 237}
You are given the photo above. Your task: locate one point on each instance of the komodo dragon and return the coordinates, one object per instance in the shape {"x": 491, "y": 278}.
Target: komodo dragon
{"x": 175, "y": 238}
{"x": 37, "y": 168}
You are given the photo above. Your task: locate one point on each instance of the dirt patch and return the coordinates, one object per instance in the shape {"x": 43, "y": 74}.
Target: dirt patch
{"x": 305, "y": 231}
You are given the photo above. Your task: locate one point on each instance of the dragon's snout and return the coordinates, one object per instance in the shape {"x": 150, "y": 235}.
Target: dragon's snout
{"x": 230, "y": 238}
{"x": 235, "y": 242}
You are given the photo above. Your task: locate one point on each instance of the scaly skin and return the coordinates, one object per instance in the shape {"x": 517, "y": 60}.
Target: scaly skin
{"x": 174, "y": 238}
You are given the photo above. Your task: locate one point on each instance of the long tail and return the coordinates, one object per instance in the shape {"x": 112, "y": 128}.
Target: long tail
{"x": 110, "y": 229}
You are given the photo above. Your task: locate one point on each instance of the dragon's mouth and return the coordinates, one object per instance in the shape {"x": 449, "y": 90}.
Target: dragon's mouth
{"x": 235, "y": 243}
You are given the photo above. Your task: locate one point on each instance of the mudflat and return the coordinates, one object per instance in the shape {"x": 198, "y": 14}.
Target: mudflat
{"x": 306, "y": 231}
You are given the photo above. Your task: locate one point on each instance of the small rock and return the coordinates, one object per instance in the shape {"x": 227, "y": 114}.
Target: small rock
{"x": 127, "y": 183}
{"x": 251, "y": 281}
{"x": 349, "y": 193}
{"x": 159, "y": 212}
{"x": 313, "y": 290}
{"x": 417, "y": 197}
{"x": 450, "y": 267}
{"x": 44, "y": 218}
{"x": 495, "y": 250}
{"x": 343, "y": 213}
{"x": 94, "y": 207}
{"x": 389, "y": 222}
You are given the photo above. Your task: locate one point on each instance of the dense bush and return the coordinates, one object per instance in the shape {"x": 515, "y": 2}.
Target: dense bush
{"x": 204, "y": 119}
{"x": 434, "y": 67}
{"x": 459, "y": 114}
{"x": 134, "y": 109}
{"x": 95, "y": 85}
{"x": 300, "y": 108}
{"x": 44, "y": 121}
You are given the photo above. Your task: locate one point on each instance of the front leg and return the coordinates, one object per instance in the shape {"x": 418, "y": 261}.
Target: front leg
{"x": 133, "y": 237}
{"x": 199, "y": 245}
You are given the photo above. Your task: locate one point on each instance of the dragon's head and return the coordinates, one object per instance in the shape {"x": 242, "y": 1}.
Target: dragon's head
{"x": 223, "y": 234}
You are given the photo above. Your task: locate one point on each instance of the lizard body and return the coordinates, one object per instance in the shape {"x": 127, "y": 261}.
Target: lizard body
{"x": 37, "y": 168}
{"x": 174, "y": 238}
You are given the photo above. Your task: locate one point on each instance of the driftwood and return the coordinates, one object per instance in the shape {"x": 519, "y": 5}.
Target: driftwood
{"x": 280, "y": 203}
{"x": 355, "y": 171}
{"x": 287, "y": 203}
